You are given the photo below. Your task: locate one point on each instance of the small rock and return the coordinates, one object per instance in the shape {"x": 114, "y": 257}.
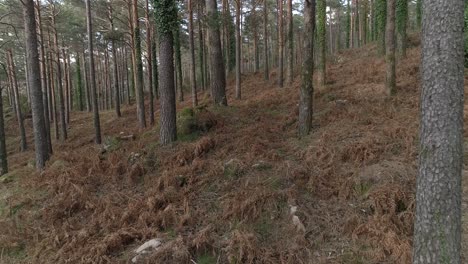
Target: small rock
{"x": 147, "y": 247}
{"x": 151, "y": 244}
{"x": 298, "y": 224}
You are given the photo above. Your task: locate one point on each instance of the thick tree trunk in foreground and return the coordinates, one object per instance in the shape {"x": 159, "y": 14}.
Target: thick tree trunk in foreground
{"x": 34, "y": 80}
{"x": 218, "y": 80}
{"x": 165, "y": 9}
{"x": 307, "y": 88}
{"x": 390, "y": 48}
{"x": 92, "y": 77}
{"x": 437, "y": 229}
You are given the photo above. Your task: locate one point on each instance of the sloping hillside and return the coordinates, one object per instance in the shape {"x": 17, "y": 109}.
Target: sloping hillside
{"x": 240, "y": 186}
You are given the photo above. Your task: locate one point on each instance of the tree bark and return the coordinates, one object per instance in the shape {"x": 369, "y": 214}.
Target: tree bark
{"x": 266, "y": 72}
{"x": 178, "y": 59}
{"x": 138, "y": 71}
{"x": 401, "y": 23}
{"x": 390, "y": 48}
{"x": 218, "y": 80}
{"x": 193, "y": 80}
{"x": 92, "y": 77}
{"x": 165, "y": 9}
{"x": 321, "y": 33}
{"x": 238, "y": 51}
{"x": 437, "y": 229}
{"x": 63, "y": 125}
{"x": 280, "y": 44}
{"x": 201, "y": 47}
{"x": 17, "y": 102}
{"x": 307, "y": 87}
{"x": 44, "y": 79}
{"x": 3, "y": 147}
{"x": 290, "y": 70}
{"x": 149, "y": 52}
{"x": 79, "y": 83}
{"x": 34, "y": 80}
{"x": 155, "y": 66}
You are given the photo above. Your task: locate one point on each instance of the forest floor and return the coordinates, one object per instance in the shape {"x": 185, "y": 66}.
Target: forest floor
{"x": 242, "y": 188}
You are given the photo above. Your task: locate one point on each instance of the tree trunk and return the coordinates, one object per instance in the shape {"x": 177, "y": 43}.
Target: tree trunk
{"x": 44, "y": 80}
{"x": 193, "y": 80}
{"x": 92, "y": 78}
{"x": 34, "y": 80}
{"x": 437, "y": 229}
{"x": 155, "y": 66}
{"x": 17, "y": 102}
{"x": 321, "y": 33}
{"x": 348, "y": 25}
{"x": 79, "y": 83}
{"x": 401, "y": 23}
{"x": 63, "y": 125}
{"x": 166, "y": 25}
{"x": 266, "y": 74}
{"x": 3, "y": 147}
{"x": 290, "y": 71}
{"x": 87, "y": 84}
{"x": 218, "y": 80}
{"x": 149, "y": 53}
{"x": 238, "y": 51}
{"x": 381, "y": 10}
{"x": 67, "y": 88}
{"x": 390, "y": 48}
{"x": 178, "y": 59}
{"x": 307, "y": 88}
{"x": 201, "y": 46}
{"x": 280, "y": 44}
{"x": 138, "y": 71}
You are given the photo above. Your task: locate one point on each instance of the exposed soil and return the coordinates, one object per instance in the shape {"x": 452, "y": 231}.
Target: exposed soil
{"x": 225, "y": 195}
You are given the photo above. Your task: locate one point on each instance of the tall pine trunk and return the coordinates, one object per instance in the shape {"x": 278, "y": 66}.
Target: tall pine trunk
{"x": 138, "y": 71}
{"x": 193, "y": 79}
{"x": 307, "y": 87}
{"x": 390, "y": 48}
{"x": 217, "y": 76}
{"x": 34, "y": 80}
{"x": 63, "y": 124}
{"x": 437, "y": 229}
{"x": 165, "y": 10}
{"x": 238, "y": 50}
{"x": 44, "y": 80}
{"x": 321, "y": 33}
{"x": 17, "y": 101}
{"x": 401, "y": 23}
{"x": 280, "y": 44}
{"x": 92, "y": 77}
{"x": 266, "y": 66}
{"x": 149, "y": 44}
{"x": 290, "y": 70}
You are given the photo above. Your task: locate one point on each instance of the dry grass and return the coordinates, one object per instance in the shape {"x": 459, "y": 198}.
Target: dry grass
{"x": 225, "y": 196}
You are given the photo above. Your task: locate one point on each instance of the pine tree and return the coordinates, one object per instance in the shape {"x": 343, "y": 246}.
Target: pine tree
{"x": 437, "y": 229}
